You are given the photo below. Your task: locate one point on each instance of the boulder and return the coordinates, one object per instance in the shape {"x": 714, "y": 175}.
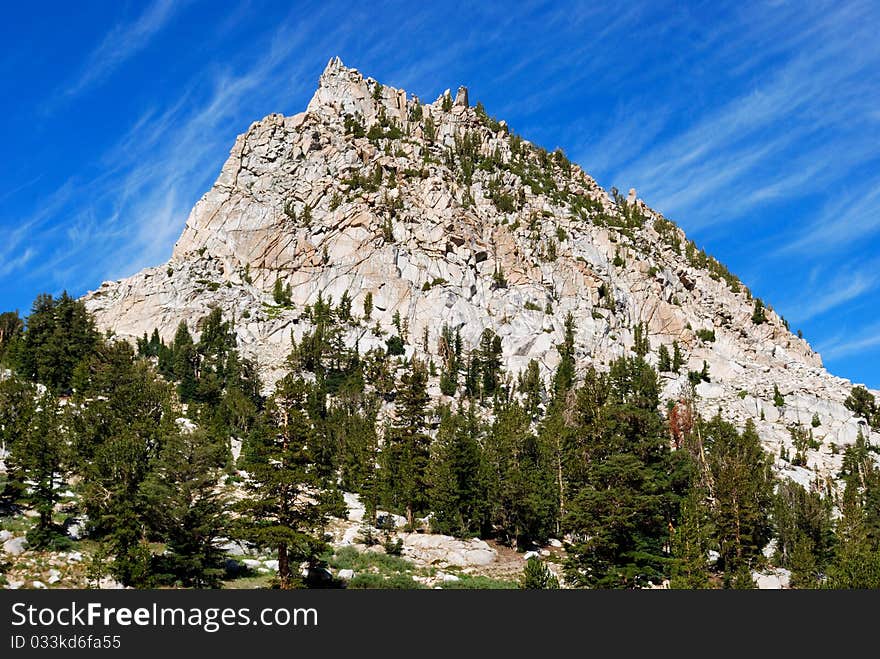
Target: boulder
{"x": 443, "y": 549}
{"x": 15, "y": 546}
{"x": 777, "y": 579}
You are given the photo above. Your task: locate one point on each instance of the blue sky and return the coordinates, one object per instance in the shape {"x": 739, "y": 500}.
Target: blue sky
{"x": 755, "y": 126}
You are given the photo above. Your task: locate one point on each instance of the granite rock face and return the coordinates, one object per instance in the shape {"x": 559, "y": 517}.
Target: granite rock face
{"x": 444, "y": 217}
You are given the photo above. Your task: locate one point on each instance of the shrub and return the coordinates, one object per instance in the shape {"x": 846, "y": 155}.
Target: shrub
{"x": 281, "y": 293}
{"x": 395, "y": 346}
{"x": 498, "y": 278}
{"x": 354, "y": 127}
{"x": 759, "y": 316}
{"x": 393, "y": 548}
{"x": 778, "y": 398}
{"x": 537, "y": 576}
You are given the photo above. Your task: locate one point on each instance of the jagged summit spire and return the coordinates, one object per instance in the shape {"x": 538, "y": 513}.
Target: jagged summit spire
{"x": 345, "y": 91}
{"x": 334, "y": 67}
{"x": 334, "y": 63}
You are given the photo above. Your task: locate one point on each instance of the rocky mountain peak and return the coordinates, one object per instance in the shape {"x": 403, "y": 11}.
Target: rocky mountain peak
{"x": 343, "y": 91}
{"x": 443, "y": 217}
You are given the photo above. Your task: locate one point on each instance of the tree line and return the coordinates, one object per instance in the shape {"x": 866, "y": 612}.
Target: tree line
{"x": 641, "y": 493}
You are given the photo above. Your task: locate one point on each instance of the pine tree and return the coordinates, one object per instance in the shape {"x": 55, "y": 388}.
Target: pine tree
{"x": 803, "y": 564}
{"x": 119, "y": 425}
{"x": 405, "y": 454}
{"x": 519, "y": 476}
{"x": 155, "y": 343}
{"x": 449, "y": 356}
{"x": 11, "y": 329}
{"x": 641, "y": 344}
{"x": 368, "y": 305}
{"x": 455, "y": 489}
{"x": 690, "y": 544}
{"x": 664, "y": 363}
{"x": 241, "y": 399}
{"x": 184, "y": 363}
{"x": 803, "y": 530}
{"x": 343, "y": 310}
{"x": 143, "y": 346}
{"x": 564, "y": 376}
{"x": 281, "y": 293}
{"x": 677, "y": 358}
{"x": 740, "y": 579}
{"x": 743, "y": 489}
{"x": 59, "y": 334}
{"x": 281, "y": 511}
{"x": 778, "y": 399}
{"x": 352, "y": 423}
{"x": 18, "y": 401}
{"x": 185, "y": 509}
{"x": 39, "y": 457}
{"x": 556, "y": 435}
{"x": 216, "y": 340}
{"x": 704, "y": 372}
{"x": 861, "y": 403}
{"x": 531, "y": 386}
{"x": 620, "y": 514}
{"x": 856, "y": 561}
{"x": 490, "y": 353}
{"x": 472, "y": 387}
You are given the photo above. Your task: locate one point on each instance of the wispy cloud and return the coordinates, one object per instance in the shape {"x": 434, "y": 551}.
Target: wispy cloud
{"x": 11, "y": 265}
{"x": 169, "y": 155}
{"x": 777, "y": 131}
{"x": 825, "y": 294}
{"x": 15, "y": 241}
{"x": 864, "y": 341}
{"x": 853, "y": 216}
{"x": 120, "y": 44}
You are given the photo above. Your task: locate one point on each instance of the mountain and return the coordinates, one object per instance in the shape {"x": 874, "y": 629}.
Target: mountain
{"x": 443, "y": 216}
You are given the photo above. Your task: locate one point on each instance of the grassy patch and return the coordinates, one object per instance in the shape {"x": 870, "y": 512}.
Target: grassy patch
{"x": 479, "y": 582}
{"x": 250, "y": 582}
{"x": 18, "y": 525}
{"x": 376, "y": 570}
{"x": 349, "y": 558}
{"x": 274, "y": 311}
{"x": 371, "y": 580}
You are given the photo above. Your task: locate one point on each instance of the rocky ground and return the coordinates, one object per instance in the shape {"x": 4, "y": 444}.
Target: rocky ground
{"x": 425, "y": 559}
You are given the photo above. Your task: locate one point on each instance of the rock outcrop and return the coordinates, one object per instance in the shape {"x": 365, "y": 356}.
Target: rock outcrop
{"x": 444, "y": 217}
